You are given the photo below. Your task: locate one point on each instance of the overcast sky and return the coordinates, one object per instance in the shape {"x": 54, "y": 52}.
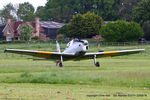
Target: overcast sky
{"x": 35, "y": 3}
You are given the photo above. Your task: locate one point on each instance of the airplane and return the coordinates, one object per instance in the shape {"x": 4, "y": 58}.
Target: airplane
{"x": 76, "y": 50}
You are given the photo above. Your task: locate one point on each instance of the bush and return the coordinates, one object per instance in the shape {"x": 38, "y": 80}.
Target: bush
{"x": 121, "y": 31}
{"x": 64, "y": 30}
{"x": 12, "y": 42}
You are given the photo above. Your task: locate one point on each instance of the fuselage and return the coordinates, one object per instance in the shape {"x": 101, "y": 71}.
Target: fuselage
{"x": 77, "y": 47}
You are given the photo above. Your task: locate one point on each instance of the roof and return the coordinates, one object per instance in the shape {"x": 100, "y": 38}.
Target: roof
{"x": 43, "y": 24}
{"x": 16, "y": 25}
{"x": 51, "y": 24}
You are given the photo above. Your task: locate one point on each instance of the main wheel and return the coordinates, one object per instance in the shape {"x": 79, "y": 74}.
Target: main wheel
{"x": 60, "y": 64}
{"x": 97, "y": 64}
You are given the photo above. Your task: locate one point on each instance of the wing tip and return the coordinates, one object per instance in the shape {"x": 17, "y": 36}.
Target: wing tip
{"x": 5, "y": 50}
{"x": 140, "y": 49}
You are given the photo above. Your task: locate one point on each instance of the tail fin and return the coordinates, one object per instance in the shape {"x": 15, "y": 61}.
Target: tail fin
{"x": 58, "y": 47}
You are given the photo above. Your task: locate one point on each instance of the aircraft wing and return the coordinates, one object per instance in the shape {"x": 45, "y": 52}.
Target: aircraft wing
{"x": 67, "y": 56}
{"x": 41, "y": 54}
{"x": 113, "y": 53}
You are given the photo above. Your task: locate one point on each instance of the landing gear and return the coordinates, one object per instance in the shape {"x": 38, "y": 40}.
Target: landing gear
{"x": 97, "y": 64}
{"x": 60, "y": 64}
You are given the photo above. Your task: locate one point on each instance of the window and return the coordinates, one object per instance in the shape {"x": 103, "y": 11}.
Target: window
{"x": 8, "y": 31}
{"x": 8, "y": 38}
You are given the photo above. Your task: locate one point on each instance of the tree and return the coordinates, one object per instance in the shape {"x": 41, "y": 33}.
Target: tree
{"x": 26, "y": 11}
{"x": 125, "y": 9}
{"x": 7, "y": 12}
{"x": 41, "y": 12}
{"x": 85, "y": 26}
{"x": 108, "y": 9}
{"x": 121, "y": 31}
{"x": 56, "y": 11}
{"x": 141, "y": 13}
{"x": 26, "y": 32}
{"x": 146, "y": 29}
{"x": 63, "y": 10}
{"x": 61, "y": 14}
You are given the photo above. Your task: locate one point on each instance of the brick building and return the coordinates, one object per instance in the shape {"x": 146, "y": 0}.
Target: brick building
{"x": 45, "y": 30}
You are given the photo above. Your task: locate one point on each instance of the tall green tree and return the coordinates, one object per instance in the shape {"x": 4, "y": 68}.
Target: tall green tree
{"x": 26, "y": 11}
{"x": 85, "y": 26}
{"x": 108, "y": 9}
{"x": 61, "y": 14}
{"x": 121, "y": 31}
{"x": 54, "y": 10}
{"x": 7, "y": 12}
{"x": 63, "y": 10}
{"x": 41, "y": 12}
{"x": 26, "y": 32}
{"x": 141, "y": 13}
{"x": 125, "y": 9}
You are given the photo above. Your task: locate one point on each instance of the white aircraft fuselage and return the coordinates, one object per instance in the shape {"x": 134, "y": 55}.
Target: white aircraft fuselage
{"x": 77, "y": 47}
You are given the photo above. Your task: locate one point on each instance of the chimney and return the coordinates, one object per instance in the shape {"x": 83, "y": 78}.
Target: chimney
{"x": 37, "y": 26}
{"x": 8, "y": 20}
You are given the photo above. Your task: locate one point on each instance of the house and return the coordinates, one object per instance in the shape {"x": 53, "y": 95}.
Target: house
{"x": 44, "y": 30}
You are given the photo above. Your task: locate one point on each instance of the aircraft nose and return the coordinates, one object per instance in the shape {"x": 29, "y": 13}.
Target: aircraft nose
{"x": 85, "y": 48}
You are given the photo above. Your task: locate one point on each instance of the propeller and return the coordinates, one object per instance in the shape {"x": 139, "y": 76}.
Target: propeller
{"x": 59, "y": 51}
{"x": 58, "y": 47}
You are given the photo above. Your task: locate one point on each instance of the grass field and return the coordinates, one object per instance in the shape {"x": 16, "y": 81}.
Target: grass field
{"x": 121, "y": 78}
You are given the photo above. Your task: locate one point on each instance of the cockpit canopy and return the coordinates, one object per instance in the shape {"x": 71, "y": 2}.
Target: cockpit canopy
{"x": 85, "y": 42}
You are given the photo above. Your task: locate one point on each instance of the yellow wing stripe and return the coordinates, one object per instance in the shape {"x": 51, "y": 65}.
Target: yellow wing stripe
{"x": 110, "y": 53}
{"x": 43, "y": 52}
